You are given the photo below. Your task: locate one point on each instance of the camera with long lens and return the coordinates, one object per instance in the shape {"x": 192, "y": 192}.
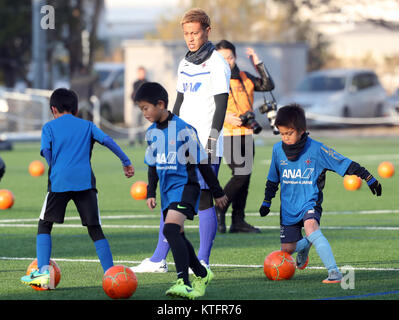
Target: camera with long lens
{"x": 248, "y": 120}
{"x": 270, "y": 108}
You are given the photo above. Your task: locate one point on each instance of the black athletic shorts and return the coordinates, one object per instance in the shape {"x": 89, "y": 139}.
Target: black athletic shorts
{"x": 183, "y": 207}
{"x": 293, "y": 233}
{"x": 86, "y": 203}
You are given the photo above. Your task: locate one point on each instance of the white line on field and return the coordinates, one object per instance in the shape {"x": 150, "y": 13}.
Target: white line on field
{"x": 116, "y": 226}
{"x": 367, "y": 157}
{"x": 252, "y": 214}
{"x": 23, "y": 225}
{"x": 388, "y": 157}
{"x": 136, "y": 216}
{"x": 212, "y": 265}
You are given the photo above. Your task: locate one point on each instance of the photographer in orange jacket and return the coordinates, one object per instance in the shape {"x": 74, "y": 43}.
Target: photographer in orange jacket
{"x": 238, "y": 130}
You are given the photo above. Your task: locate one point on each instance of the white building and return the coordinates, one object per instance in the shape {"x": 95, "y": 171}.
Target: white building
{"x": 352, "y": 28}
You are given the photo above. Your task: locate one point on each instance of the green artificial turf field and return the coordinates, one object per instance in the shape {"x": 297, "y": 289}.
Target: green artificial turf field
{"x": 363, "y": 231}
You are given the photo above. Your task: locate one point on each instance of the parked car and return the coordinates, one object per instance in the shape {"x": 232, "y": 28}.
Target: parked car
{"x": 110, "y": 90}
{"x": 392, "y": 104}
{"x": 340, "y": 93}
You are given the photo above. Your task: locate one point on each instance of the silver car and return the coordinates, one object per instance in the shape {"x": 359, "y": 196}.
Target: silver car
{"x": 111, "y": 90}
{"x": 355, "y": 93}
{"x": 392, "y": 104}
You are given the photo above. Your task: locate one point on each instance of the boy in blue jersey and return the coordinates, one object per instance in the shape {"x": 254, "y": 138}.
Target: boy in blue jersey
{"x": 299, "y": 165}
{"x": 173, "y": 155}
{"x": 67, "y": 144}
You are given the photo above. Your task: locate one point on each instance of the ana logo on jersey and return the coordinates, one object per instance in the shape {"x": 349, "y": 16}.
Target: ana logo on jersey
{"x": 191, "y": 87}
{"x": 297, "y": 173}
{"x": 169, "y": 159}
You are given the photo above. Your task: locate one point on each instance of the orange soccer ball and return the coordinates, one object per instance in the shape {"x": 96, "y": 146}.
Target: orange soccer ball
{"x": 6, "y": 199}
{"x": 279, "y": 265}
{"x": 386, "y": 169}
{"x": 352, "y": 182}
{"x": 139, "y": 190}
{"x": 36, "y": 168}
{"x": 119, "y": 282}
{"x": 55, "y": 275}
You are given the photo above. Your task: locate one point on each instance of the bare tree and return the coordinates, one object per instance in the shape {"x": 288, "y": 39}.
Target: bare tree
{"x": 382, "y": 13}
{"x": 15, "y": 40}
{"x": 264, "y": 21}
{"x": 73, "y": 17}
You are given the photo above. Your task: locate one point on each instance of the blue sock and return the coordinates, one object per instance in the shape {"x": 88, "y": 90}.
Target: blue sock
{"x": 302, "y": 244}
{"x": 208, "y": 225}
{"x": 162, "y": 249}
{"x": 43, "y": 249}
{"x": 104, "y": 253}
{"x": 323, "y": 249}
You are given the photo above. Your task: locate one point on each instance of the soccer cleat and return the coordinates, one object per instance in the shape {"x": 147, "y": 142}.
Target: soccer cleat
{"x": 243, "y": 227}
{"x": 334, "y": 276}
{"x": 151, "y": 267}
{"x": 199, "y": 284}
{"x": 36, "y": 278}
{"x": 221, "y": 218}
{"x": 179, "y": 289}
{"x": 302, "y": 258}
{"x": 203, "y": 263}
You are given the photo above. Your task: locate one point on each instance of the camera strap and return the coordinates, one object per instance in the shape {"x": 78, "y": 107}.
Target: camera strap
{"x": 236, "y": 72}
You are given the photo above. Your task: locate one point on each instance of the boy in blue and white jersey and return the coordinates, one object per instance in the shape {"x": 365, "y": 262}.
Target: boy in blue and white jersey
{"x": 66, "y": 144}
{"x": 299, "y": 164}
{"x": 173, "y": 155}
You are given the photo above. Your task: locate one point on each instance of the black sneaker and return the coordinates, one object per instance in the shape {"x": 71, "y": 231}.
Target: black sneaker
{"x": 243, "y": 227}
{"x": 221, "y": 217}
{"x": 221, "y": 228}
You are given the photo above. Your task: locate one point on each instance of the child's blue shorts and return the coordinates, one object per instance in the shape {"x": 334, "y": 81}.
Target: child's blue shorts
{"x": 293, "y": 233}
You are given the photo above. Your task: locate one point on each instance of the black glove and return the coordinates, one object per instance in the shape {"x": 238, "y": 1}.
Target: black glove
{"x": 264, "y": 208}
{"x": 374, "y": 185}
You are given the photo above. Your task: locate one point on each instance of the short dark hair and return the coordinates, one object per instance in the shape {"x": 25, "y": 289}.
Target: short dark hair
{"x": 292, "y": 116}
{"x": 224, "y": 44}
{"x": 151, "y": 92}
{"x": 64, "y": 100}
{"x": 196, "y": 15}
